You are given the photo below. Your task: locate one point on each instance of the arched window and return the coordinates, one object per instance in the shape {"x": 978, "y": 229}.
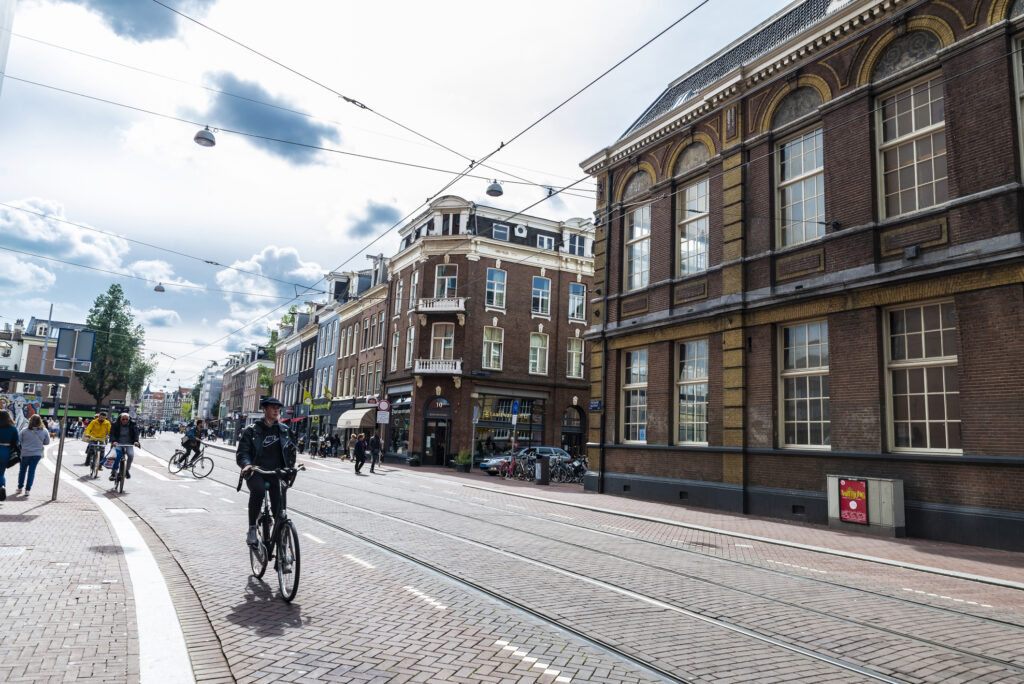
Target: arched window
{"x": 912, "y": 48}
{"x": 637, "y": 264}
{"x": 639, "y": 183}
{"x": 695, "y": 155}
{"x": 800, "y": 102}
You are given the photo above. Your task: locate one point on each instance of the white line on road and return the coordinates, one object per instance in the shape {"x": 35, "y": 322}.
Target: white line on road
{"x": 206, "y": 493}
{"x": 420, "y": 595}
{"x": 621, "y": 529}
{"x": 316, "y": 539}
{"x": 158, "y": 476}
{"x": 226, "y": 500}
{"x": 359, "y": 561}
{"x": 162, "y": 654}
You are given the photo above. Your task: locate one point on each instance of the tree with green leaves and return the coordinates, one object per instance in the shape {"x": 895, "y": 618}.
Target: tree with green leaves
{"x": 266, "y": 378}
{"x": 117, "y": 363}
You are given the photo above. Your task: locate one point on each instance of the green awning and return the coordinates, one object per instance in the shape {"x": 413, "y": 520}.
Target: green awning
{"x": 72, "y": 413}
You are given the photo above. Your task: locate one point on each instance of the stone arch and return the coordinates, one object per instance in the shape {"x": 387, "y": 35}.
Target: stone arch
{"x": 690, "y": 153}
{"x": 635, "y": 183}
{"x": 810, "y": 81}
{"x": 938, "y": 28}
{"x": 1004, "y": 9}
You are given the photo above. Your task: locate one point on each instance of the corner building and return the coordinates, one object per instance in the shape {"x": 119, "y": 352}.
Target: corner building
{"x": 817, "y": 232}
{"x": 487, "y": 308}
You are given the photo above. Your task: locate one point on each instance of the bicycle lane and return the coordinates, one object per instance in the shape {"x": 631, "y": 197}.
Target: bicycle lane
{"x": 162, "y": 654}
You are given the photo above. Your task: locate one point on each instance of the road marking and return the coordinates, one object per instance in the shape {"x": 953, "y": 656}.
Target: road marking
{"x": 204, "y": 492}
{"x": 307, "y": 534}
{"x": 420, "y": 595}
{"x": 621, "y": 529}
{"x": 358, "y": 561}
{"x": 744, "y": 546}
{"x": 162, "y": 653}
{"x": 801, "y": 567}
{"x": 522, "y": 508}
{"x": 556, "y": 515}
{"x": 158, "y": 476}
{"x": 226, "y": 500}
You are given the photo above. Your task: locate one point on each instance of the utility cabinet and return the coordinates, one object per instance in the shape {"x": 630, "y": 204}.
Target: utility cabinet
{"x": 866, "y": 504}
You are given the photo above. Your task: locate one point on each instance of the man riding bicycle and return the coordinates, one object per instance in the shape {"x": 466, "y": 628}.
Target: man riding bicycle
{"x": 96, "y": 432}
{"x": 124, "y": 437}
{"x": 267, "y": 445}
{"x": 192, "y": 441}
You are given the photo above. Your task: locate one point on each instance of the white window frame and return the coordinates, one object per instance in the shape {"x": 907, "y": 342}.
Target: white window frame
{"x": 381, "y": 329}
{"x": 410, "y": 344}
{"x": 538, "y": 364}
{"x": 414, "y": 289}
{"x": 693, "y": 228}
{"x": 577, "y": 302}
{"x": 399, "y": 298}
{"x": 913, "y": 137}
{"x": 396, "y": 338}
{"x": 637, "y": 236}
{"x": 494, "y": 289}
{"x": 542, "y": 296}
{"x": 810, "y": 227}
{"x": 446, "y": 286}
{"x": 577, "y": 245}
{"x": 545, "y": 242}
{"x": 378, "y": 376}
{"x": 692, "y": 372}
{"x": 806, "y": 373}
{"x": 491, "y": 346}
{"x": 634, "y": 396}
{"x": 575, "y": 349}
{"x": 501, "y": 228}
{"x": 944, "y": 361}
{"x": 443, "y": 334}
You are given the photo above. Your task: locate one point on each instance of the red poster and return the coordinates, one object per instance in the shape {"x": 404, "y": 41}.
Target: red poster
{"x": 853, "y": 501}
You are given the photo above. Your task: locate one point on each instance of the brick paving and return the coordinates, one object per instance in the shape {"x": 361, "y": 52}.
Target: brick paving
{"x": 364, "y": 614}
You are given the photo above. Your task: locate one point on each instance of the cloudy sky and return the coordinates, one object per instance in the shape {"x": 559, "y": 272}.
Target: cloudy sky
{"x": 121, "y": 193}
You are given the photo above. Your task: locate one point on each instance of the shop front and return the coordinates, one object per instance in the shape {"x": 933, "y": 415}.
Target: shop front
{"x": 396, "y": 434}
{"x": 437, "y": 429}
{"x": 495, "y": 432}
{"x": 572, "y": 430}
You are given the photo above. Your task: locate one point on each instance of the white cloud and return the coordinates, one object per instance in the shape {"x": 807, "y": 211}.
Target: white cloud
{"x": 158, "y": 318}
{"x": 156, "y": 269}
{"x": 40, "y": 235}
{"x": 19, "y": 276}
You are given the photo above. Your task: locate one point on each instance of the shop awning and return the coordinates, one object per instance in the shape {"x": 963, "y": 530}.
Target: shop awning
{"x": 361, "y": 417}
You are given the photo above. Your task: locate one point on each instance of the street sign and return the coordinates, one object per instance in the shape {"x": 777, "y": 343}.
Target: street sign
{"x": 515, "y": 407}
{"x": 476, "y": 415}
{"x": 384, "y": 405}
{"x": 74, "y": 350}
{"x": 383, "y": 417}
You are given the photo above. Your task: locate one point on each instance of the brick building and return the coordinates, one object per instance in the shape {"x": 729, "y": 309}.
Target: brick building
{"x": 837, "y": 198}
{"x": 486, "y": 308}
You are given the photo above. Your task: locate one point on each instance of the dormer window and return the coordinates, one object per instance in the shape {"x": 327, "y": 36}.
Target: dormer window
{"x": 545, "y": 242}
{"x": 499, "y": 232}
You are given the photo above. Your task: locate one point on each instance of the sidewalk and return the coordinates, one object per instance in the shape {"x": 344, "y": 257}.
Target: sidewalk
{"x": 67, "y": 600}
{"x": 952, "y": 558}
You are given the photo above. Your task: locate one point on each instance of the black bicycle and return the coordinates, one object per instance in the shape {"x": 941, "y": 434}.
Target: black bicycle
{"x": 200, "y": 463}
{"x": 279, "y": 542}
{"x": 94, "y": 457}
{"x": 121, "y": 474}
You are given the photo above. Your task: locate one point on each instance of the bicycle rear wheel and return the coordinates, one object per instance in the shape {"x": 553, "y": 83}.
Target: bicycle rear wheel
{"x": 97, "y": 463}
{"x": 288, "y": 555}
{"x": 258, "y": 558}
{"x": 177, "y": 461}
{"x": 120, "y": 477}
{"x": 202, "y": 467}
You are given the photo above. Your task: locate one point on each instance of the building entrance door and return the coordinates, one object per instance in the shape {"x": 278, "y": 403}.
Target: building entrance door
{"x": 435, "y": 441}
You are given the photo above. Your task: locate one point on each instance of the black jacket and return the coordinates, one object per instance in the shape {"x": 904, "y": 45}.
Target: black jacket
{"x": 360, "y": 448}
{"x": 115, "y": 432}
{"x": 250, "y": 446}
{"x": 375, "y": 445}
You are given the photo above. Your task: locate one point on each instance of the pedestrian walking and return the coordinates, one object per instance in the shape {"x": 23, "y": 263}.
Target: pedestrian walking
{"x": 374, "y": 451}
{"x": 359, "y": 452}
{"x": 352, "y": 447}
{"x": 10, "y": 444}
{"x": 33, "y": 440}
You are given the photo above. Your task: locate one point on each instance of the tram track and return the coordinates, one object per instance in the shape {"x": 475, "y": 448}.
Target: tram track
{"x": 651, "y": 600}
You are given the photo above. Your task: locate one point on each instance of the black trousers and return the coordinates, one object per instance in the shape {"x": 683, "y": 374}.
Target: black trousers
{"x": 258, "y": 484}
{"x": 360, "y": 460}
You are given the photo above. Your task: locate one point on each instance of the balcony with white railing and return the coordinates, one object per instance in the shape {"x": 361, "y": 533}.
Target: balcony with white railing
{"x": 427, "y": 305}
{"x": 438, "y": 367}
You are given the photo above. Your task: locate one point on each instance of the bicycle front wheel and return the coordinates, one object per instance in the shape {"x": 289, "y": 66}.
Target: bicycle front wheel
{"x": 177, "y": 461}
{"x": 121, "y": 470}
{"x": 288, "y": 561}
{"x": 258, "y": 558}
{"x": 202, "y": 467}
{"x": 97, "y": 463}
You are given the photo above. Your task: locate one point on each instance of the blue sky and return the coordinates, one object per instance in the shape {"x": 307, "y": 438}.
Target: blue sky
{"x": 467, "y": 74}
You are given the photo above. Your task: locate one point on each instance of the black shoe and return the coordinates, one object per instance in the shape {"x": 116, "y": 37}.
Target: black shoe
{"x": 250, "y": 538}
{"x": 111, "y": 478}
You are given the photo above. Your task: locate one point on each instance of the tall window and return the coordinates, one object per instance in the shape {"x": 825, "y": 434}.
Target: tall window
{"x": 693, "y": 228}
{"x": 545, "y": 242}
{"x": 366, "y": 334}
{"x": 494, "y": 343}
{"x": 692, "y": 385}
{"x": 577, "y": 245}
{"x": 442, "y": 341}
{"x": 913, "y": 148}
{"x": 574, "y": 369}
{"x": 923, "y": 380}
{"x": 538, "y": 354}
{"x": 801, "y": 189}
{"x": 378, "y": 376}
{"x": 499, "y": 232}
{"x": 398, "y": 297}
{"x": 446, "y": 280}
{"x": 380, "y": 329}
{"x": 495, "y": 288}
{"x": 634, "y": 396}
{"x": 577, "y": 302}
{"x": 334, "y": 336}
{"x": 410, "y": 345}
{"x": 362, "y": 379}
{"x": 373, "y": 332}
{"x": 394, "y": 351}
{"x": 414, "y": 289}
{"x": 638, "y": 247}
{"x": 541, "y": 296}
{"x": 805, "y": 385}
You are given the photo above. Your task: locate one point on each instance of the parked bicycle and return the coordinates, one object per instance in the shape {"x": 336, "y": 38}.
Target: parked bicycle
{"x": 200, "y": 464}
{"x": 280, "y": 542}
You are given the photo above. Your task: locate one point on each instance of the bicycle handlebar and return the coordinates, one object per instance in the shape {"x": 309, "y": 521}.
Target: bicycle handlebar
{"x": 289, "y": 473}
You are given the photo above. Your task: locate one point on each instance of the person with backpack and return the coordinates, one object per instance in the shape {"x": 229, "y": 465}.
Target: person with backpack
{"x": 375, "y": 450}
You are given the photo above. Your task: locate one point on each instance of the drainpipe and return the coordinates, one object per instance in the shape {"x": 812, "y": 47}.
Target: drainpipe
{"x": 604, "y": 329}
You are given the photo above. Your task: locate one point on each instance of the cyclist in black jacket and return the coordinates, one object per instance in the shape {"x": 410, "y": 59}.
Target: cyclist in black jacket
{"x": 266, "y": 444}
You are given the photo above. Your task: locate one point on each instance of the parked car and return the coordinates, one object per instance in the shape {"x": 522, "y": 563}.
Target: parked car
{"x": 491, "y": 466}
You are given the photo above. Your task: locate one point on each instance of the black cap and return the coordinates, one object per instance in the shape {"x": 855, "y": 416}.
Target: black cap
{"x": 270, "y": 401}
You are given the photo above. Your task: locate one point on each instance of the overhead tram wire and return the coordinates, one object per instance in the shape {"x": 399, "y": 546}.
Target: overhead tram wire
{"x": 341, "y": 95}
{"x": 521, "y": 181}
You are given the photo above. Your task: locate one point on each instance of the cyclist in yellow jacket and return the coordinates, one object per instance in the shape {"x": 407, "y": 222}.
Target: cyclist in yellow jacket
{"x": 97, "y": 431}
